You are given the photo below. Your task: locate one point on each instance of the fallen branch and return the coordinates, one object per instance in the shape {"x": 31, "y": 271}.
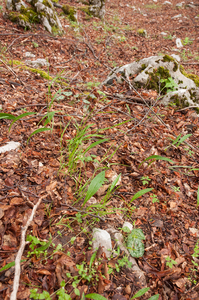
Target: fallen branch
{"x": 21, "y": 249}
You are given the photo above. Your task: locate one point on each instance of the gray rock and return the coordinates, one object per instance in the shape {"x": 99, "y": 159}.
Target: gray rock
{"x": 10, "y": 146}
{"x": 146, "y": 68}
{"x": 102, "y": 238}
{"x": 180, "y": 4}
{"x": 176, "y": 17}
{"x": 177, "y": 57}
{"x": 40, "y": 62}
{"x": 167, "y": 3}
{"x": 29, "y": 54}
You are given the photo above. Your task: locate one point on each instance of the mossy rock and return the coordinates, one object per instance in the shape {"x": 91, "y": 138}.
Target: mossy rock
{"x": 193, "y": 77}
{"x": 155, "y": 77}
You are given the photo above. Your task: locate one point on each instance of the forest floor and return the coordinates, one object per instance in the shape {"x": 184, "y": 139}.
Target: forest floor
{"x": 55, "y": 166}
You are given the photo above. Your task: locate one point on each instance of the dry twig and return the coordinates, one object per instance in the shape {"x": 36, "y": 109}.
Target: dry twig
{"x": 21, "y": 249}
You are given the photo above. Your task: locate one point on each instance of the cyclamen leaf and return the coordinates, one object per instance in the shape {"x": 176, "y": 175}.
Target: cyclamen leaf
{"x": 137, "y": 233}
{"x": 95, "y": 296}
{"x": 94, "y": 186}
{"x": 135, "y": 247}
{"x": 140, "y": 293}
{"x": 140, "y": 193}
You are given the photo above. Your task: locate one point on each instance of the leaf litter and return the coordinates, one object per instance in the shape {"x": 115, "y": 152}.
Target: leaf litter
{"x": 135, "y": 140}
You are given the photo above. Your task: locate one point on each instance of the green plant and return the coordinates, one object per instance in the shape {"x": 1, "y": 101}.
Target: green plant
{"x": 170, "y": 84}
{"x": 1, "y": 7}
{"x": 168, "y": 37}
{"x": 170, "y": 262}
{"x": 35, "y": 44}
{"x": 34, "y": 241}
{"x": 78, "y": 147}
{"x": 176, "y": 189}
{"x": 183, "y": 54}
{"x": 179, "y": 140}
{"x": 154, "y": 158}
{"x": 154, "y": 198}
{"x": 187, "y": 41}
{"x": 145, "y": 179}
{"x": 134, "y": 242}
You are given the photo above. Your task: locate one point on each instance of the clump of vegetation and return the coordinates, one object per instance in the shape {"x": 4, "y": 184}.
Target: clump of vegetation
{"x": 142, "y": 32}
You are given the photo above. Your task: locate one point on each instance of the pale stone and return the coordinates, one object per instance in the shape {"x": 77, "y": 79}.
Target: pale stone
{"x": 102, "y": 238}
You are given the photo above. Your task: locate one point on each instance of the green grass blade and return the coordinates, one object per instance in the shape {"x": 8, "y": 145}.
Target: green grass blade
{"x": 183, "y": 139}
{"x": 156, "y": 157}
{"x": 95, "y": 296}
{"x": 94, "y": 186}
{"x": 140, "y": 293}
{"x": 7, "y": 116}
{"x": 8, "y": 266}
{"x": 20, "y": 117}
{"x": 154, "y": 297}
{"x": 38, "y": 131}
{"x": 95, "y": 144}
{"x": 140, "y": 193}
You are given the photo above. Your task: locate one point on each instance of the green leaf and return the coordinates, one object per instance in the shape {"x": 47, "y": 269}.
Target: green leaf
{"x": 38, "y": 131}
{"x": 49, "y": 117}
{"x": 67, "y": 93}
{"x": 156, "y": 157}
{"x": 94, "y": 186}
{"x": 137, "y": 233}
{"x": 92, "y": 259}
{"x": 155, "y": 297}
{"x": 198, "y": 197}
{"x": 183, "y": 139}
{"x": 135, "y": 247}
{"x": 115, "y": 182}
{"x": 44, "y": 247}
{"x": 20, "y": 117}
{"x": 8, "y": 266}
{"x": 140, "y": 293}
{"x": 95, "y": 144}
{"x": 7, "y": 116}
{"x": 140, "y": 193}
{"x": 95, "y": 296}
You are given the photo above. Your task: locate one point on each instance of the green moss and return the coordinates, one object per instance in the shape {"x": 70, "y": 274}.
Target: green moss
{"x": 55, "y": 1}
{"x": 155, "y": 77}
{"x": 30, "y": 14}
{"x": 143, "y": 67}
{"x": 86, "y": 9}
{"x": 180, "y": 102}
{"x": 141, "y": 32}
{"x": 194, "y": 77}
{"x": 169, "y": 58}
{"x": 42, "y": 73}
{"x": 70, "y": 11}
{"x": 16, "y": 16}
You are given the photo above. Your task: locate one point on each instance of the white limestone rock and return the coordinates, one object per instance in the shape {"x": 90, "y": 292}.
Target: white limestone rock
{"x": 10, "y": 146}
{"x": 102, "y": 238}
{"x": 146, "y": 68}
